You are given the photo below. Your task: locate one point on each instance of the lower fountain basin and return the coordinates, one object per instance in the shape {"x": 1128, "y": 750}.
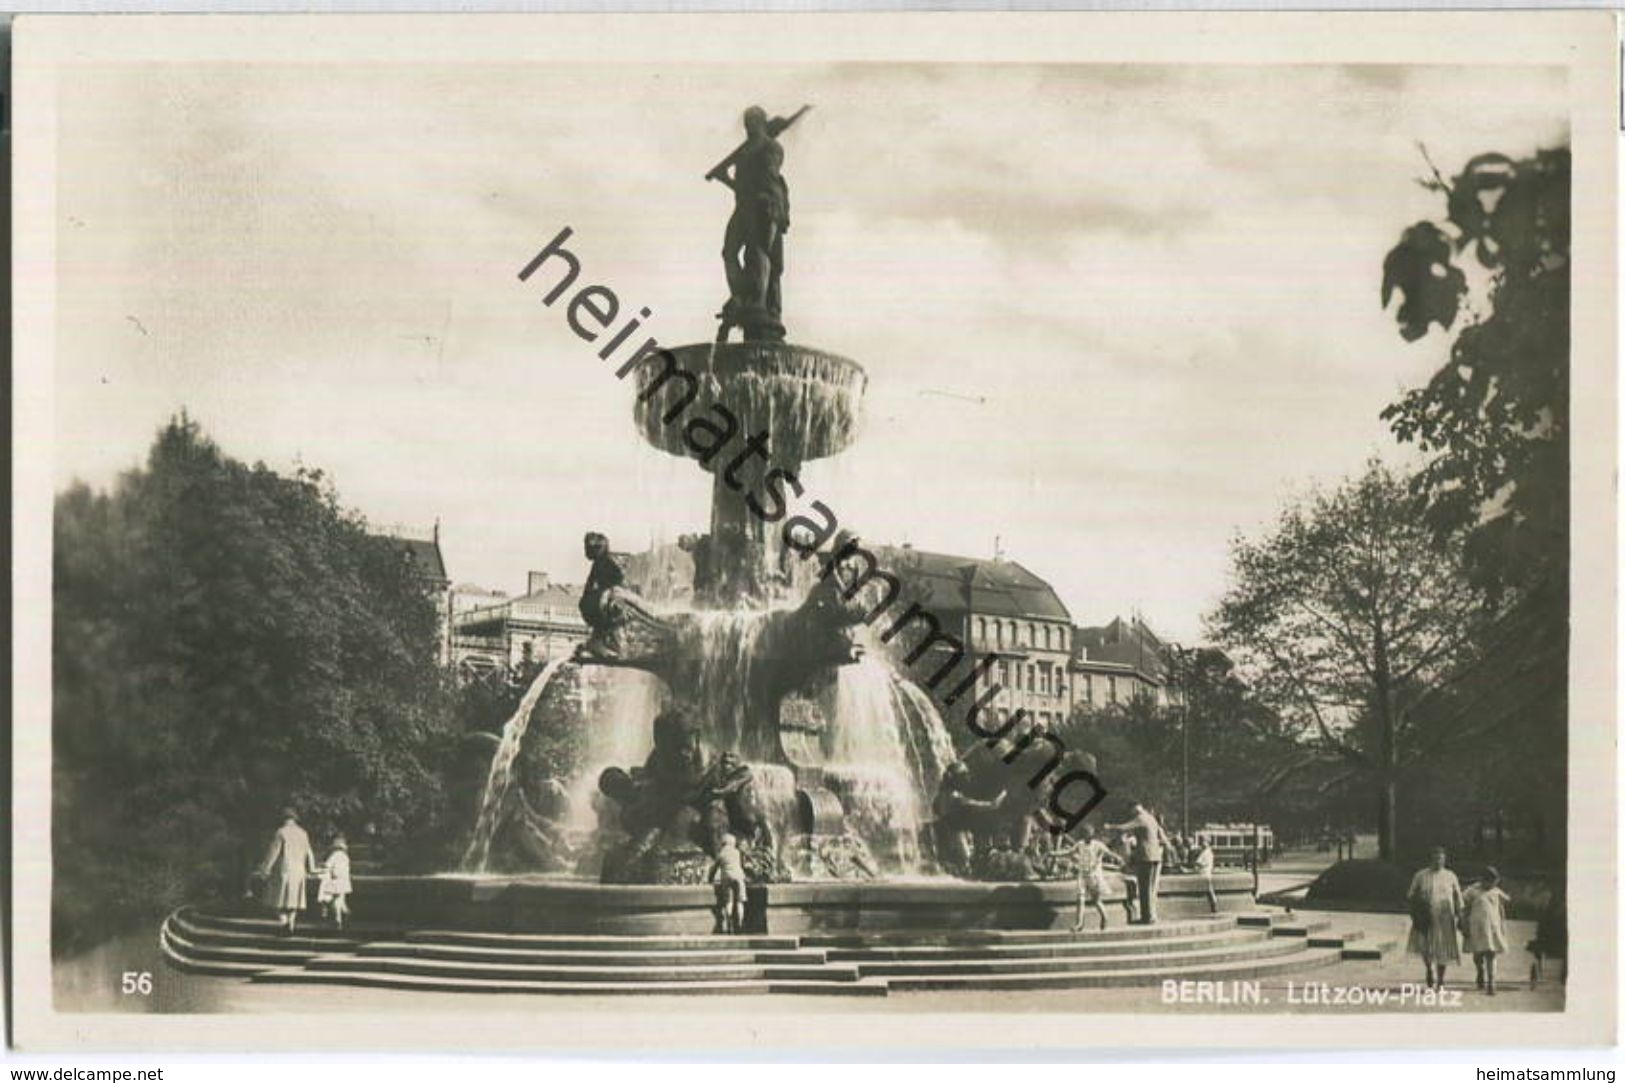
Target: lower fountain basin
{"x": 549, "y": 904}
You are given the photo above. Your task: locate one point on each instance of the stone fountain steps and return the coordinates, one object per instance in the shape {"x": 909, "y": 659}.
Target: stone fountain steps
{"x": 1227, "y": 947}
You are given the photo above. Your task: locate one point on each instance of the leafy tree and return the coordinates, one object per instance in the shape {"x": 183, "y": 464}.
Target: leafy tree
{"x": 227, "y": 640}
{"x": 1349, "y": 619}
{"x": 1494, "y": 422}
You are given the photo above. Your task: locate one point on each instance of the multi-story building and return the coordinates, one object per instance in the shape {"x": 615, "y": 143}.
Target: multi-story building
{"x": 1117, "y": 663}
{"x": 990, "y": 606}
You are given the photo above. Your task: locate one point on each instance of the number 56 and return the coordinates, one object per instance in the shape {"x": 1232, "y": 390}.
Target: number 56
{"x": 136, "y": 982}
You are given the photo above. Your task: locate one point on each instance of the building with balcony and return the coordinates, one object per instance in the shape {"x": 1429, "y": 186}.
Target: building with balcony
{"x": 492, "y": 633}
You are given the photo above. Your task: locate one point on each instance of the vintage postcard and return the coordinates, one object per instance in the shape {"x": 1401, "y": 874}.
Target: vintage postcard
{"x": 941, "y": 531}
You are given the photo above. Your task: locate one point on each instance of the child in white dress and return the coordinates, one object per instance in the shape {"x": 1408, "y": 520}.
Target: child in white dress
{"x": 1483, "y": 923}
{"x": 334, "y": 892}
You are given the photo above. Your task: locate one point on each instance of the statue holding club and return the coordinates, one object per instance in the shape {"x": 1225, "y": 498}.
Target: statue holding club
{"x": 753, "y": 245}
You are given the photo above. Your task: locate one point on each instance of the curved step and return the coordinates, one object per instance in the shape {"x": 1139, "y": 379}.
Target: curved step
{"x": 309, "y": 927}
{"x": 179, "y": 958}
{"x": 1052, "y": 949}
{"x": 1305, "y": 959}
{"x": 393, "y": 964}
{"x": 979, "y": 937}
{"x": 1241, "y": 950}
{"x": 546, "y": 941}
{"x": 452, "y": 984}
{"x": 231, "y": 953}
{"x": 202, "y": 934}
{"x": 697, "y": 956}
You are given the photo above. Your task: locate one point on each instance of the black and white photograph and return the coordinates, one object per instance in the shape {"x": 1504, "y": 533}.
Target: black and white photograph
{"x": 586, "y": 527}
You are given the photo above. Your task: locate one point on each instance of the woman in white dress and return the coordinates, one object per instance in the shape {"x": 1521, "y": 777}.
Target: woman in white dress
{"x": 1435, "y": 903}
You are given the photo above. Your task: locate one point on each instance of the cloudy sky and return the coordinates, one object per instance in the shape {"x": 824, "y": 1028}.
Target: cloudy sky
{"x": 1111, "y": 315}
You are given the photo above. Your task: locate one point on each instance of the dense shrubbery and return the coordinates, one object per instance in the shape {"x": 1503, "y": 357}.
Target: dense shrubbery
{"x": 227, "y": 640}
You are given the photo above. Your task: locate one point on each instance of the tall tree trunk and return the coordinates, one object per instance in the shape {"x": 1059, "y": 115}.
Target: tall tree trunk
{"x": 1387, "y": 833}
{"x": 1387, "y": 754}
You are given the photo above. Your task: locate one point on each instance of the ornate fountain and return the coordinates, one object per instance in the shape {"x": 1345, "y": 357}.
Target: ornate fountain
{"x": 768, "y": 720}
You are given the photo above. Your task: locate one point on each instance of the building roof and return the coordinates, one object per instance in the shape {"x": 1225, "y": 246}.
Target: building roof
{"x": 1002, "y": 588}
{"x": 1126, "y": 643}
{"x": 423, "y": 554}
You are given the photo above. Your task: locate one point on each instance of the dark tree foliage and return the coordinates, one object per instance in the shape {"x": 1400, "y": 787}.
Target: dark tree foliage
{"x": 1494, "y": 421}
{"x": 1212, "y": 735}
{"x": 227, "y": 640}
{"x": 1495, "y": 418}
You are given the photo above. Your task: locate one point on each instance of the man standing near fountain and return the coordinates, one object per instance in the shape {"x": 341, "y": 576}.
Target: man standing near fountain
{"x": 1149, "y": 840}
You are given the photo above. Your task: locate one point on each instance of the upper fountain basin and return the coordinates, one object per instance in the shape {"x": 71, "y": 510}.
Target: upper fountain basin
{"x": 809, "y": 402}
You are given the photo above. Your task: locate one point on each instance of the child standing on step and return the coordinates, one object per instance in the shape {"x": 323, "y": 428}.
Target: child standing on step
{"x": 1483, "y": 923}
{"x": 334, "y": 892}
{"x": 728, "y": 874}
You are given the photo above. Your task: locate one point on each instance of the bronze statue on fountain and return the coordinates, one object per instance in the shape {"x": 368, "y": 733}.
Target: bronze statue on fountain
{"x": 989, "y": 810}
{"x": 621, "y": 624}
{"x": 675, "y": 809}
{"x": 753, "y": 244}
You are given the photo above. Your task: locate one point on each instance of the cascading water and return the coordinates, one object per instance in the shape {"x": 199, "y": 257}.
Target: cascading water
{"x": 776, "y": 790}
{"x": 617, "y": 704}
{"x": 500, "y": 780}
{"x": 926, "y": 741}
{"x": 888, "y": 748}
{"x": 724, "y": 653}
